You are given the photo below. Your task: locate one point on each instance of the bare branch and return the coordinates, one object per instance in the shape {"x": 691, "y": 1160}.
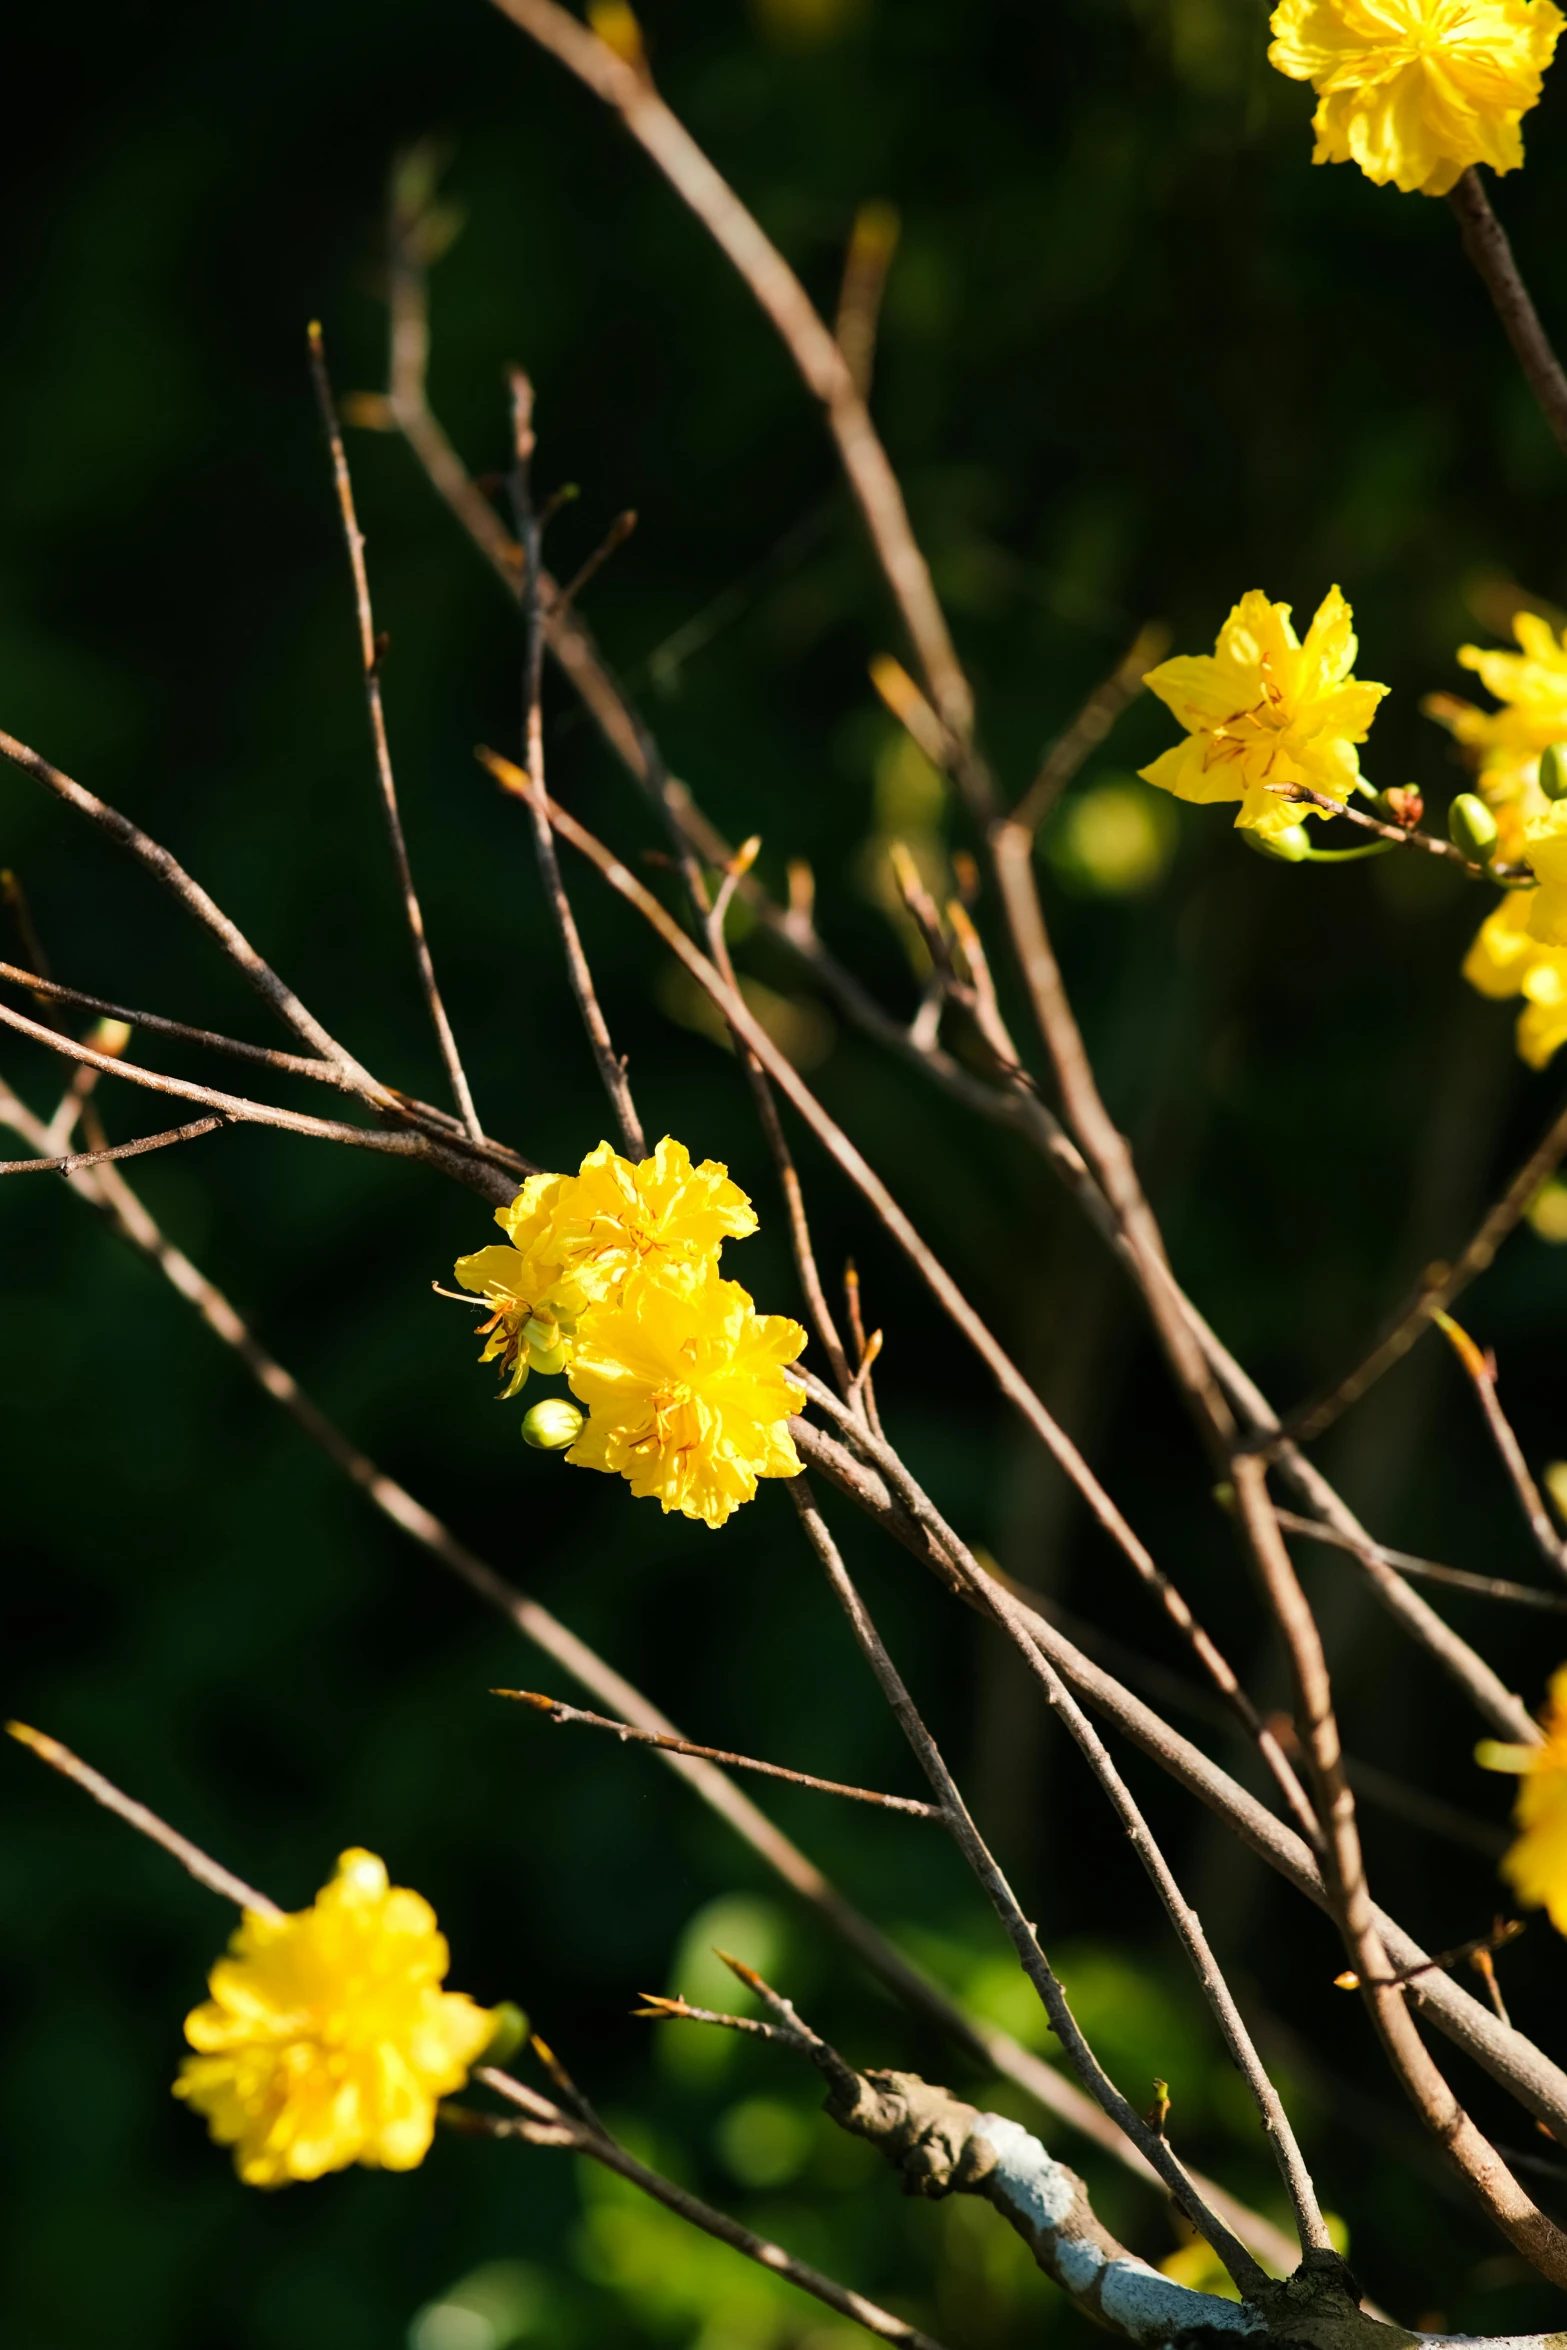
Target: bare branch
{"x": 873, "y": 241}
{"x": 1377, "y": 1553}
{"x": 370, "y": 654}
{"x": 1486, "y": 243}
{"x": 1092, "y": 723}
{"x": 74, "y": 1161}
{"x": 1481, "y": 1368}
{"x": 560, "y": 1712}
{"x": 146, "y": 1823}
{"x": 611, "y": 1069}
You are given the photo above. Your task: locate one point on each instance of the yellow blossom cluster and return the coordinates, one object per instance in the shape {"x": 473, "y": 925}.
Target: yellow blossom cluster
{"x": 1536, "y": 1865}
{"x": 328, "y": 2038}
{"x": 611, "y": 1275}
{"x": 1521, "y": 949}
{"x": 1417, "y": 91}
{"x": 1263, "y": 710}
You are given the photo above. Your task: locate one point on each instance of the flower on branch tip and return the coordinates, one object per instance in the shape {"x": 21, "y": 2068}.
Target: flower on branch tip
{"x": 1415, "y": 91}
{"x": 1263, "y": 709}
{"x": 1506, "y": 959}
{"x": 1536, "y": 1864}
{"x": 575, "y": 1239}
{"x": 687, "y": 1398}
{"x": 328, "y": 2039}
{"x": 1531, "y": 686}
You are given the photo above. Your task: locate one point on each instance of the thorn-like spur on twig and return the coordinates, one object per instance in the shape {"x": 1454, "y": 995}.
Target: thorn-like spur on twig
{"x": 558, "y": 1711}
{"x": 842, "y": 2079}
{"x": 564, "y": 2083}
{"x": 1480, "y": 1947}
{"x": 616, "y": 536}
{"x": 195, "y": 1862}
{"x": 1481, "y": 1367}
{"x": 656, "y": 2009}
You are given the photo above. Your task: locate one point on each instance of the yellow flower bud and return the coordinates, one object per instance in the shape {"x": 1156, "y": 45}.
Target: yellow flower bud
{"x": 1553, "y": 772}
{"x": 553, "y": 1424}
{"x": 1288, "y": 846}
{"x": 1471, "y": 827}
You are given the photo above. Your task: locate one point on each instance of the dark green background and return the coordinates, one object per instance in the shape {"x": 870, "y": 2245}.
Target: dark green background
{"x": 1137, "y": 357}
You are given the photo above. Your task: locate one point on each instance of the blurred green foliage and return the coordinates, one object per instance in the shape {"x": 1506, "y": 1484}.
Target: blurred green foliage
{"x": 1136, "y": 357}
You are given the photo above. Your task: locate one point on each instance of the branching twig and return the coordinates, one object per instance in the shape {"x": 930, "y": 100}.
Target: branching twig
{"x": 1481, "y": 1367}
{"x": 74, "y": 1161}
{"x": 370, "y": 654}
{"x": 560, "y": 1712}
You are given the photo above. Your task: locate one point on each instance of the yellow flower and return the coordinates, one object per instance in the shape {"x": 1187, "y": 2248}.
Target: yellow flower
{"x": 1415, "y": 91}
{"x": 1531, "y": 686}
{"x": 328, "y": 2039}
{"x": 1545, "y": 846}
{"x": 686, "y": 1395}
{"x": 1536, "y": 1865}
{"x": 1266, "y": 709}
{"x": 1507, "y": 960}
{"x": 576, "y": 1238}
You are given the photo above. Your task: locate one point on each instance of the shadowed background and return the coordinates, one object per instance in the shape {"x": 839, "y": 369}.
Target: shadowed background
{"x": 1136, "y": 357}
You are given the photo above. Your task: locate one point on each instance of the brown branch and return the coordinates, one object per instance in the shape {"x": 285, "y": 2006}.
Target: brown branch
{"x": 1486, "y": 243}
{"x": 982, "y": 2041}
{"x": 1483, "y": 1586}
{"x": 559, "y": 1712}
{"x": 1092, "y": 723}
{"x": 873, "y": 241}
{"x": 1481, "y": 1368}
{"x": 74, "y": 1161}
{"x": 201, "y": 908}
{"x": 1467, "y": 2149}
{"x": 469, "y": 1170}
{"x": 822, "y": 366}
{"x": 1530, "y": 2076}
{"x": 542, "y": 2118}
{"x": 370, "y": 654}
{"x": 146, "y": 1823}
{"x": 1150, "y": 2143}
{"x": 612, "y": 1070}
{"x": 1401, "y": 836}
{"x": 1440, "y": 1287}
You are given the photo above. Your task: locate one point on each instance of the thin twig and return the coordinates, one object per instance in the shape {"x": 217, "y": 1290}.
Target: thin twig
{"x": 1486, "y": 243}
{"x": 1439, "y": 1287}
{"x": 1483, "y": 1586}
{"x": 1092, "y": 723}
{"x": 825, "y": 371}
{"x": 1150, "y": 2143}
{"x": 560, "y": 1712}
{"x": 863, "y": 1380}
{"x": 1464, "y": 2144}
{"x": 601, "y": 2148}
{"x": 873, "y": 241}
{"x": 74, "y": 1161}
{"x": 1481, "y": 1367}
{"x": 615, "y": 537}
{"x": 611, "y": 1069}
{"x": 370, "y": 654}
{"x": 472, "y": 1171}
{"x": 1400, "y": 835}
{"x": 146, "y": 1823}
{"x": 198, "y": 905}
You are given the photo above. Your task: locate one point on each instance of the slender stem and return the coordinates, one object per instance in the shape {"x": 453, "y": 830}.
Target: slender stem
{"x": 1471, "y": 2154}
{"x": 1483, "y": 1586}
{"x": 1089, "y": 728}
{"x": 669, "y": 1744}
{"x": 198, "y": 905}
{"x": 73, "y": 1161}
{"x": 611, "y": 1069}
{"x": 1149, "y": 2142}
{"x": 1481, "y": 1368}
{"x": 1397, "y": 836}
{"x": 370, "y": 654}
{"x": 601, "y": 2148}
{"x": 1486, "y": 243}
{"x": 191, "y": 1858}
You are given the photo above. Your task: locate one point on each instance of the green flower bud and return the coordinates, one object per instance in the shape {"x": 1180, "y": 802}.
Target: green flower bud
{"x": 1471, "y": 827}
{"x": 511, "y": 2030}
{"x": 1553, "y": 771}
{"x": 1288, "y": 847}
{"x": 553, "y": 1424}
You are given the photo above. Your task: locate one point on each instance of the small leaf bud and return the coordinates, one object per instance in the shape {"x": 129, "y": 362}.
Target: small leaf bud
{"x": 1553, "y": 771}
{"x": 511, "y": 2030}
{"x": 552, "y": 1424}
{"x": 1471, "y": 827}
{"x": 1403, "y": 805}
{"x": 1288, "y": 846}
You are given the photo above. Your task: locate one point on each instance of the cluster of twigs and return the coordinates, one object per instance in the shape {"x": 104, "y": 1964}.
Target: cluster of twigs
{"x": 1309, "y": 1830}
